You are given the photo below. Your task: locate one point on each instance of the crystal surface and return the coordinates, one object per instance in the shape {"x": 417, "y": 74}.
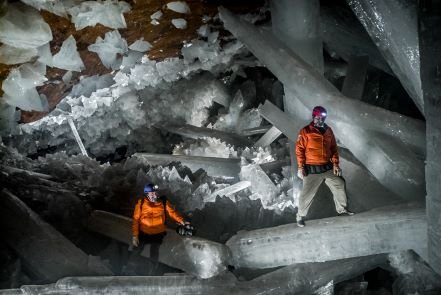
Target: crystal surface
{"x": 10, "y": 55}
{"x": 108, "y": 48}
{"x": 140, "y": 45}
{"x": 297, "y": 24}
{"x": 178, "y": 6}
{"x": 381, "y": 230}
{"x": 108, "y": 13}
{"x": 179, "y": 23}
{"x": 55, "y": 6}
{"x": 23, "y": 27}
{"x": 270, "y": 136}
{"x": 393, "y": 26}
{"x": 19, "y": 87}
{"x": 68, "y": 57}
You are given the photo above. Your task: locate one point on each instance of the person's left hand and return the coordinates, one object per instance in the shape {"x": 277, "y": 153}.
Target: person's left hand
{"x": 336, "y": 170}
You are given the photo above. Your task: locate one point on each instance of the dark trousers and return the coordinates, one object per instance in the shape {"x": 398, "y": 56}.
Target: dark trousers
{"x": 154, "y": 241}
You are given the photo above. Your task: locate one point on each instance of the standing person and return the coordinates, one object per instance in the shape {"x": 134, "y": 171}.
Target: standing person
{"x": 149, "y": 217}
{"x": 318, "y": 161}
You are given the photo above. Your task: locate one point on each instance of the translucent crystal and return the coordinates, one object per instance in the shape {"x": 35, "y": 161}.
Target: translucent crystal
{"x": 157, "y": 15}
{"x": 108, "y": 13}
{"x": 23, "y": 27}
{"x": 10, "y": 55}
{"x": 108, "y": 48}
{"x": 54, "y": 6}
{"x": 178, "y": 6}
{"x": 140, "y": 45}
{"x": 68, "y": 57}
{"x": 179, "y": 23}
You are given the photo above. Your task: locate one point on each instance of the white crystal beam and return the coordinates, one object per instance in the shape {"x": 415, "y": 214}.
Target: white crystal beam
{"x": 393, "y": 26}
{"x": 380, "y": 230}
{"x": 313, "y": 89}
{"x": 195, "y": 132}
{"x": 268, "y": 137}
{"x": 297, "y": 24}
{"x": 77, "y": 136}
{"x": 129, "y": 285}
{"x": 47, "y": 253}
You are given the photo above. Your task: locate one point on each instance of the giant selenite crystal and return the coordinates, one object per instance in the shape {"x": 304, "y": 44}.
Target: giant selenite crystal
{"x": 297, "y": 24}
{"x": 191, "y": 131}
{"x": 344, "y": 35}
{"x": 393, "y": 26}
{"x": 48, "y": 254}
{"x": 194, "y": 255}
{"x": 377, "y": 231}
{"x": 129, "y": 285}
{"x": 313, "y": 89}
{"x": 367, "y": 123}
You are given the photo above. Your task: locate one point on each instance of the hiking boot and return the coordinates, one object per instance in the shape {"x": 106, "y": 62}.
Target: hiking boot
{"x": 300, "y": 222}
{"x": 346, "y": 213}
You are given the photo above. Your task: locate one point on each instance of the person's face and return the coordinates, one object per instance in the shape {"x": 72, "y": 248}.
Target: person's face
{"x": 319, "y": 121}
{"x": 152, "y": 196}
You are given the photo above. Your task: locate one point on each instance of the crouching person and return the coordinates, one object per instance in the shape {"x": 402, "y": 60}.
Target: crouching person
{"x": 149, "y": 219}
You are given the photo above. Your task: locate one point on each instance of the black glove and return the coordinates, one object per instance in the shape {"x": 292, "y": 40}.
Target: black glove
{"x": 185, "y": 229}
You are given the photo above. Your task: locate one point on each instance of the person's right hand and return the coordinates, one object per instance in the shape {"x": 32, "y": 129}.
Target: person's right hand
{"x": 135, "y": 241}
{"x": 301, "y": 173}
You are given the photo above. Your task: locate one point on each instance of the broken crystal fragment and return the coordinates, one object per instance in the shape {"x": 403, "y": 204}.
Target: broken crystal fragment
{"x": 68, "y": 57}
{"x": 108, "y": 48}
{"x": 178, "y": 6}
{"x": 228, "y": 191}
{"x": 179, "y": 23}
{"x": 108, "y": 13}
{"x": 77, "y": 136}
{"x": 140, "y": 45}
{"x": 19, "y": 87}
{"x": 54, "y": 6}
{"x": 157, "y": 15}
{"x": 23, "y": 27}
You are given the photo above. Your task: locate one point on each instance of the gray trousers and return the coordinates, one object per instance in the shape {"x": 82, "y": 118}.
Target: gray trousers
{"x": 311, "y": 184}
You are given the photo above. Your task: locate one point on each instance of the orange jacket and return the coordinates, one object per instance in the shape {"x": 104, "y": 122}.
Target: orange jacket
{"x": 150, "y": 219}
{"x": 314, "y": 148}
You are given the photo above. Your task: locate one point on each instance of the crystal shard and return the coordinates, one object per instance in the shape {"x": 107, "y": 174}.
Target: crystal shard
{"x": 68, "y": 57}
{"x": 108, "y": 48}
{"x": 23, "y": 27}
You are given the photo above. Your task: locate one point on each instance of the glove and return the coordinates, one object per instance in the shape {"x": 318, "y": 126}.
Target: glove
{"x": 301, "y": 173}
{"x": 135, "y": 241}
{"x": 336, "y": 170}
